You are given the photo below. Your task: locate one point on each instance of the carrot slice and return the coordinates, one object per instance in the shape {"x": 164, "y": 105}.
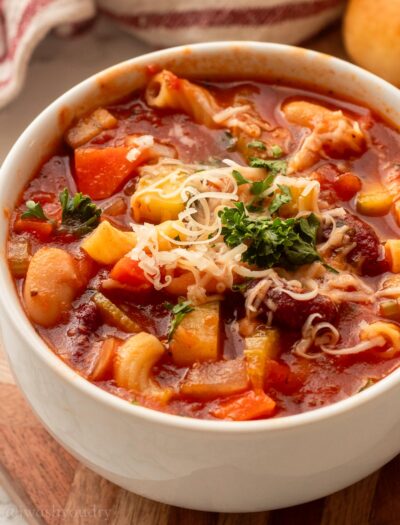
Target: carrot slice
{"x": 242, "y": 407}
{"x": 347, "y": 185}
{"x": 100, "y": 172}
{"x": 105, "y": 361}
{"x": 127, "y": 271}
{"x": 41, "y": 229}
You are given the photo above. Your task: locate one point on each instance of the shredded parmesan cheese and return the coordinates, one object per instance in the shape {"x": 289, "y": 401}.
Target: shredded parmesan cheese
{"x": 141, "y": 143}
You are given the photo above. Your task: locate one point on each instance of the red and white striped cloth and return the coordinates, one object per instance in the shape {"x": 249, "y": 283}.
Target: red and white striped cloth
{"x": 162, "y": 23}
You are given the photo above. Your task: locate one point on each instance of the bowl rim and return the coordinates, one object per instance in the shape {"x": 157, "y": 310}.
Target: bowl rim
{"x": 11, "y": 305}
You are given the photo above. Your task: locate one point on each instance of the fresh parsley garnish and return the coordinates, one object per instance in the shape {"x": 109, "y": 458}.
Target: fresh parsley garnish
{"x": 259, "y": 187}
{"x": 178, "y": 312}
{"x": 276, "y": 151}
{"x": 257, "y": 144}
{"x": 34, "y": 211}
{"x": 284, "y": 197}
{"x": 276, "y": 167}
{"x": 330, "y": 268}
{"x": 271, "y": 242}
{"x": 239, "y": 178}
{"x": 242, "y": 286}
{"x": 256, "y": 188}
{"x": 79, "y": 214}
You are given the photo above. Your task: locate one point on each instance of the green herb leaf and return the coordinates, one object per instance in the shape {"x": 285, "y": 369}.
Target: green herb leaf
{"x": 330, "y": 268}
{"x": 276, "y": 151}
{"x": 242, "y": 286}
{"x": 239, "y": 178}
{"x": 259, "y": 187}
{"x": 34, "y": 211}
{"x": 178, "y": 312}
{"x": 276, "y": 167}
{"x": 281, "y": 198}
{"x": 271, "y": 242}
{"x": 79, "y": 214}
{"x": 257, "y": 144}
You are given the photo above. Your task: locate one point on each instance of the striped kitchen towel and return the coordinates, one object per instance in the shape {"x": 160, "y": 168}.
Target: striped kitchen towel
{"x": 23, "y": 23}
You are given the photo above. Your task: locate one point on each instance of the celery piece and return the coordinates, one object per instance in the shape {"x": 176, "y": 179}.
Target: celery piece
{"x": 114, "y": 315}
{"x": 19, "y": 256}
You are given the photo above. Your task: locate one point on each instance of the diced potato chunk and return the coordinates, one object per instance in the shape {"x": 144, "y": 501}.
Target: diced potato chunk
{"x": 260, "y": 348}
{"x": 374, "y": 204}
{"x": 392, "y": 249}
{"x": 134, "y": 361}
{"x": 211, "y": 380}
{"x": 197, "y": 336}
{"x": 106, "y": 244}
{"x": 157, "y": 200}
{"x": 88, "y": 127}
{"x": 304, "y": 194}
{"x": 168, "y": 229}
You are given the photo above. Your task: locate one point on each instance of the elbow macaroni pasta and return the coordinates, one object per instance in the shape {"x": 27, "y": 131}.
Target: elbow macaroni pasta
{"x": 134, "y": 361}
{"x": 389, "y": 331}
{"x": 166, "y": 90}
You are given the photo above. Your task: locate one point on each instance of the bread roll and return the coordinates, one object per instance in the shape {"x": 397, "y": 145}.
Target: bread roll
{"x": 372, "y": 36}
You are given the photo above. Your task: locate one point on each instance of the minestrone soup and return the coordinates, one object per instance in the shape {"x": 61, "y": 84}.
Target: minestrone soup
{"x": 217, "y": 250}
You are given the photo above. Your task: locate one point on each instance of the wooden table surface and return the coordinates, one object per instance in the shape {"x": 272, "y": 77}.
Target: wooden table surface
{"x": 50, "y": 487}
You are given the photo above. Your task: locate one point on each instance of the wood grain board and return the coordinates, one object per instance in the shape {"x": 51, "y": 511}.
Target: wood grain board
{"x": 50, "y": 487}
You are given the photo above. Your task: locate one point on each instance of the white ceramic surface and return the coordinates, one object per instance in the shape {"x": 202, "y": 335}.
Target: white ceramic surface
{"x": 206, "y": 465}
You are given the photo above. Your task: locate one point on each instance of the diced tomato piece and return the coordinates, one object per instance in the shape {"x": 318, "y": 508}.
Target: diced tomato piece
{"x": 347, "y": 185}
{"x": 242, "y": 407}
{"x": 127, "y": 271}
{"x": 276, "y": 373}
{"x": 279, "y": 376}
{"x": 101, "y": 171}
{"x": 41, "y": 229}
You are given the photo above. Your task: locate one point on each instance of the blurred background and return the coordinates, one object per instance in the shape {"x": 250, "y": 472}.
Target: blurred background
{"x": 47, "y": 46}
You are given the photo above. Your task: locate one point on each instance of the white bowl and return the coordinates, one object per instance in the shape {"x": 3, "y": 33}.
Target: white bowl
{"x": 205, "y": 465}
